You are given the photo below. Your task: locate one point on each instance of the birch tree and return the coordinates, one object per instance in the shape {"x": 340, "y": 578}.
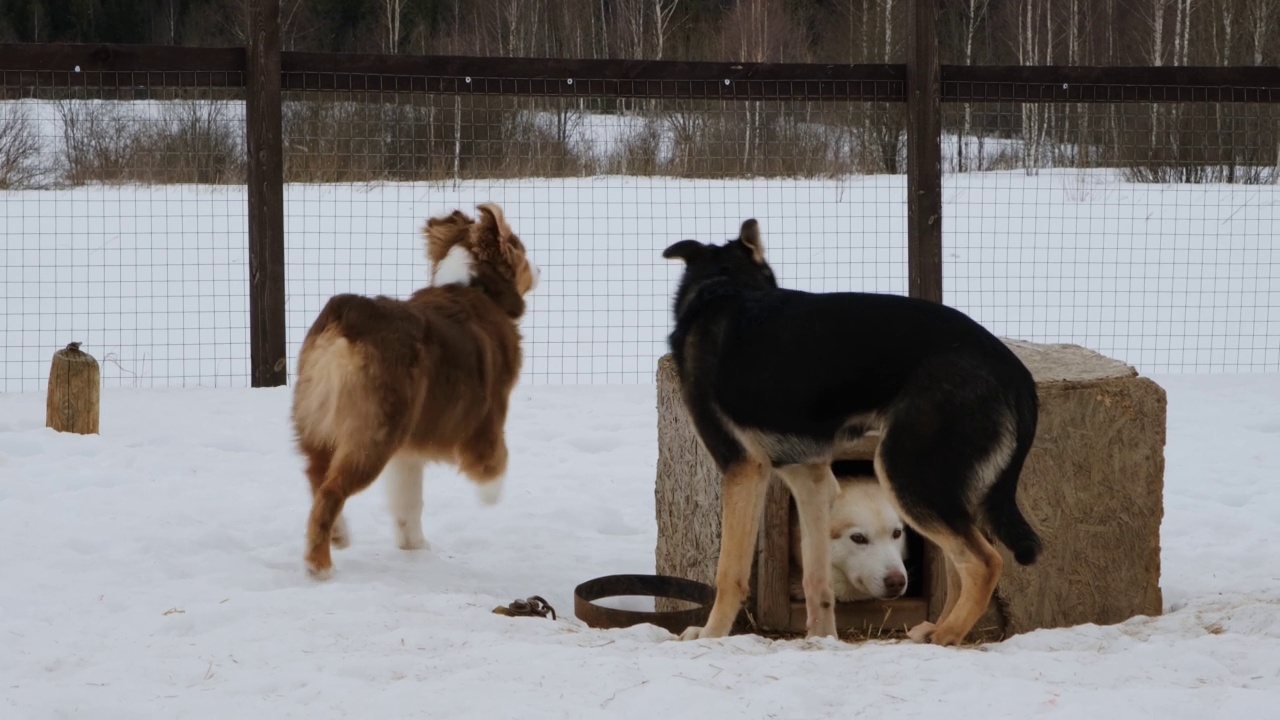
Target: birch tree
{"x": 1262, "y": 17}
{"x": 392, "y": 12}
{"x": 974, "y": 13}
{"x": 1035, "y": 47}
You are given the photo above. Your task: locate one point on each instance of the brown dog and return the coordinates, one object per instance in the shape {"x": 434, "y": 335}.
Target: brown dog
{"x": 387, "y": 383}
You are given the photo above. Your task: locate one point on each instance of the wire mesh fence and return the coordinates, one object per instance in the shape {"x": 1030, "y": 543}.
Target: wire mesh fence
{"x": 123, "y": 228}
{"x": 1121, "y": 221}
{"x": 131, "y": 237}
{"x": 596, "y": 187}
{"x": 1144, "y": 231}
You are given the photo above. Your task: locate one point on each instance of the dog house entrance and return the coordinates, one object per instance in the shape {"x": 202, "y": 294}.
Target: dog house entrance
{"x": 776, "y": 610}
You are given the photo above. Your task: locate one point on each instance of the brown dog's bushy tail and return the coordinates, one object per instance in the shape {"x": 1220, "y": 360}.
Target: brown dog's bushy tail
{"x": 442, "y": 233}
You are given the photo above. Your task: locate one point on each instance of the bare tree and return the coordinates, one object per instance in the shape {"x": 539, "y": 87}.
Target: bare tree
{"x": 1222, "y": 47}
{"x": 1034, "y": 46}
{"x": 19, "y": 148}
{"x": 629, "y": 22}
{"x": 974, "y": 13}
{"x": 1182, "y": 31}
{"x": 171, "y": 14}
{"x": 761, "y": 31}
{"x": 233, "y": 21}
{"x": 758, "y": 31}
{"x": 392, "y": 12}
{"x": 1156, "y": 50}
{"x": 663, "y": 12}
{"x": 1262, "y": 16}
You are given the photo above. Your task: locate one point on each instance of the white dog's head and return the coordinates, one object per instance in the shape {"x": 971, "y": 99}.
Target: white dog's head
{"x": 868, "y": 543}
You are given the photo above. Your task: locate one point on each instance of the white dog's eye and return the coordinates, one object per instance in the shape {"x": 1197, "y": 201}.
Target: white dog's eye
{"x": 858, "y": 538}
{"x": 897, "y": 533}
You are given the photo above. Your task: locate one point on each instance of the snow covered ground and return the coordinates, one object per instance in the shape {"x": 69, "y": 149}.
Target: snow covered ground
{"x": 154, "y": 571}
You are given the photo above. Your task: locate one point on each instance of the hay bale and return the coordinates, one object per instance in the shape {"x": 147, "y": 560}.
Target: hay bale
{"x": 687, "y": 492}
{"x": 71, "y": 402}
{"x": 1092, "y": 486}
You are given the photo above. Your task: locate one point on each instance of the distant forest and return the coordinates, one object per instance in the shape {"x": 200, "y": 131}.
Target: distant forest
{"x": 1083, "y": 32}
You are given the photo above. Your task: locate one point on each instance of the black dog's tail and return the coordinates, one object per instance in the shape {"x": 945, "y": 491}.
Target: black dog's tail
{"x": 1003, "y": 515}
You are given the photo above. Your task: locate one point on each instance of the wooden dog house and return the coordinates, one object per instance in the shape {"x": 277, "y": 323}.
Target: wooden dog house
{"x": 1092, "y": 487}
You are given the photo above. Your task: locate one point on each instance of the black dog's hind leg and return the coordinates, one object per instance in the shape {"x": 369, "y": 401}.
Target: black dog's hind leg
{"x": 935, "y": 492}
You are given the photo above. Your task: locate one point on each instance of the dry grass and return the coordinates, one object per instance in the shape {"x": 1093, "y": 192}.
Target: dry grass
{"x": 189, "y": 142}
{"x": 365, "y": 137}
{"x": 432, "y": 138}
{"x": 98, "y": 142}
{"x": 749, "y": 140}
{"x": 19, "y": 149}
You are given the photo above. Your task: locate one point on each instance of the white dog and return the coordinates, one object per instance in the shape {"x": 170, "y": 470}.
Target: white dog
{"x": 868, "y": 544}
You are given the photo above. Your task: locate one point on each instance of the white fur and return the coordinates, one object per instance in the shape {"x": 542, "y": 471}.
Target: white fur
{"x": 340, "y": 536}
{"x": 455, "y": 267}
{"x": 859, "y": 572}
{"x": 491, "y": 492}
{"x": 537, "y": 274}
{"x": 404, "y": 497}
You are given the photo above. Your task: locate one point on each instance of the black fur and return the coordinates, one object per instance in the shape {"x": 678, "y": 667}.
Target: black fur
{"x": 807, "y": 371}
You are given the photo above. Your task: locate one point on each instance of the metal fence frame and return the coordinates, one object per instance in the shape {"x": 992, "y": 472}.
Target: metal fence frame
{"x": 264, "y": 71}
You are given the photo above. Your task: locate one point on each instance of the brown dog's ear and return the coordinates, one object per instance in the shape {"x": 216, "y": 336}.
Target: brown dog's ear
{"x": 491, "y": 226}
{"x": 749, "y": 235}
{"x": 687, "y": 250}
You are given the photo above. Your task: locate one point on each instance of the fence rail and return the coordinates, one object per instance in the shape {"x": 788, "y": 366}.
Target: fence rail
{"x": 30, "y": 65}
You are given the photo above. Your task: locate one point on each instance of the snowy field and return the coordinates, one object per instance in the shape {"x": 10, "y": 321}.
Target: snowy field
{"x": 155, "y": 571}
{"x": 154, "y": 280}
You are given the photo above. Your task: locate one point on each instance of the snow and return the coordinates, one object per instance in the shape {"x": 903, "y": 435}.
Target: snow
{"x": 156, "y": 570}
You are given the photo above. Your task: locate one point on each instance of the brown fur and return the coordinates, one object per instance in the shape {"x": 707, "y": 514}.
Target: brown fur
{"x": 423, "y": 379}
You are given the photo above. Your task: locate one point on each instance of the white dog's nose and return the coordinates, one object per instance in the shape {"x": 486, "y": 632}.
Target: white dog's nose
{"x": 895, "y": 583}
{"x": 537, "y": 275}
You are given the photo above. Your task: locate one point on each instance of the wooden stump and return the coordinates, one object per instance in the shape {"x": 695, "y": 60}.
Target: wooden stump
{"x": 72, "y": 401}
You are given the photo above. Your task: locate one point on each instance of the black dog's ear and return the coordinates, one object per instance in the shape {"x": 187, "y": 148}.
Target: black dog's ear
{"x": 749, "y": 236}
{"x": 687, "y": 250}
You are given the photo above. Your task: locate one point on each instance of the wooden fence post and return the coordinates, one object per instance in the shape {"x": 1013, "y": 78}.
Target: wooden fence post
{"x": 71, "y": 401}
{"x": 268, "y": 366}
{"x": 924, "y": 152}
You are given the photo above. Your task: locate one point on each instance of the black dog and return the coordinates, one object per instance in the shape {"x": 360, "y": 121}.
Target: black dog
{"x": 777, "y": 380}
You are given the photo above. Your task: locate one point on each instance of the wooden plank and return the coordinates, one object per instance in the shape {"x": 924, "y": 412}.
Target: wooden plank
{"x": 773, "y": 562}
{"x": 806, "y": 90}
{"x": 266, "y": 198}
{"x": 542, "y": 68}
{"x": 123, "y": 79}
{"x": 864, "y": 448}
{"x": 590, "y": 78}
{"x": 1110, "y": 84}
{"x": 889, "y": 615}
{"x": 50, "y": 65}
{"x": 116, "y": 65}
{"x": 924, "y": 154}
{"x": 66, "y": 57}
